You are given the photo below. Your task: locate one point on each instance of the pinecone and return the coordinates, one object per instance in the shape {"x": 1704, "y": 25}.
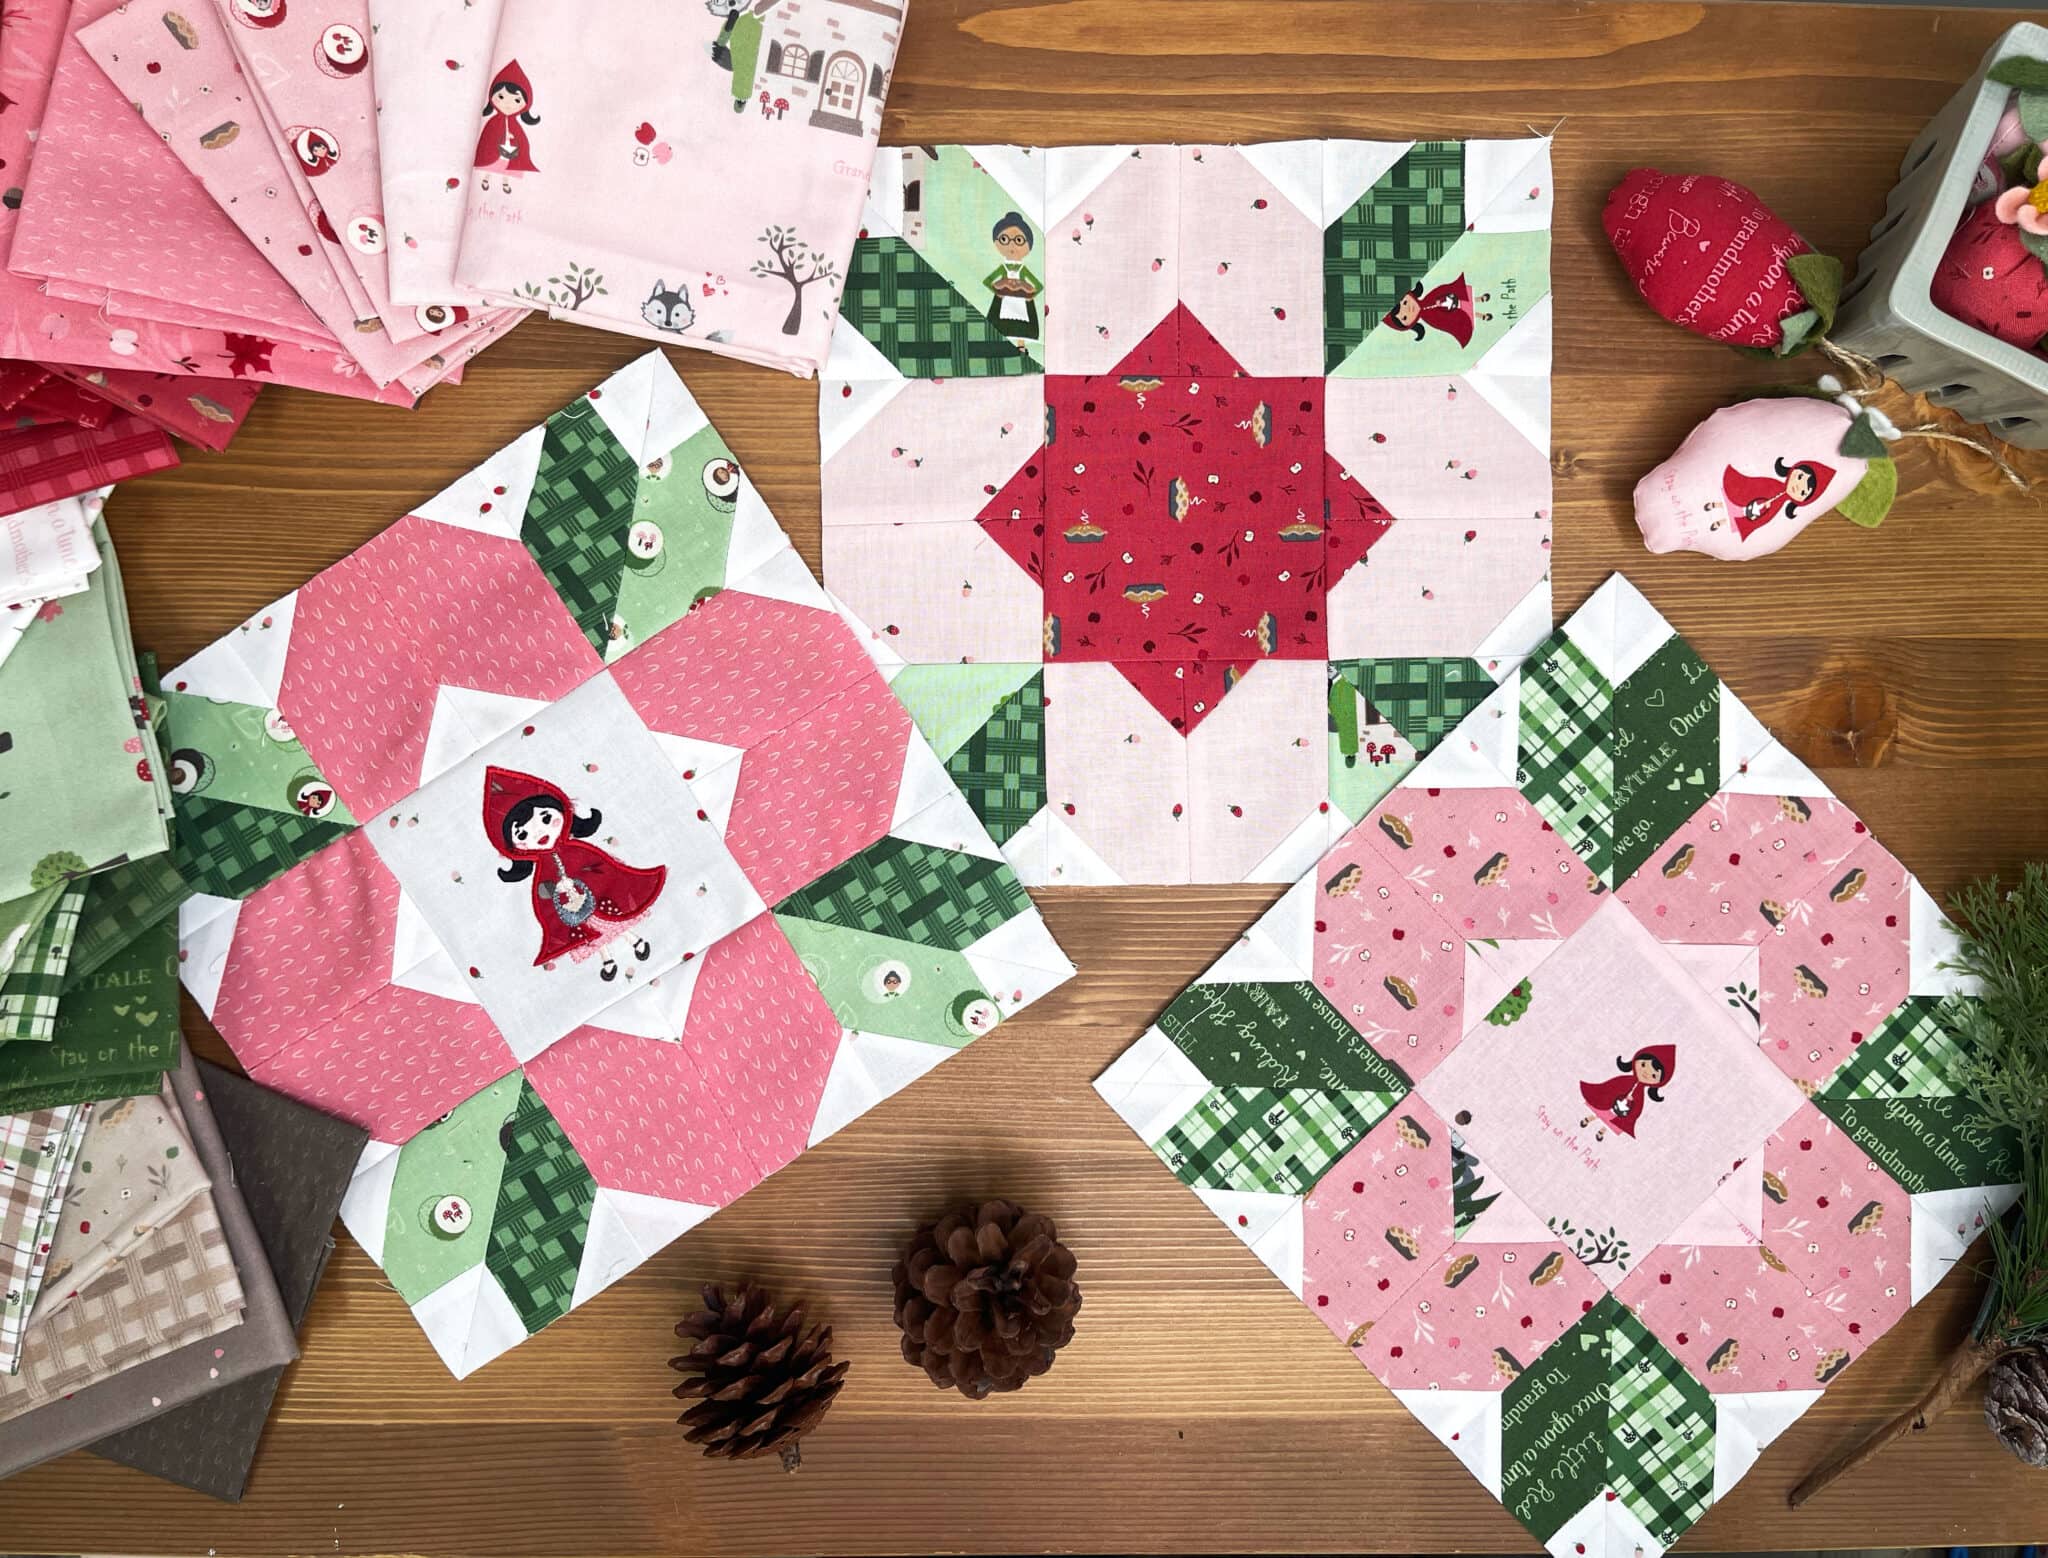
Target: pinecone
{"x": 985, "y": 1297}
{"x": 2016, "y": 1404}
{"x": 761, "y": 1388}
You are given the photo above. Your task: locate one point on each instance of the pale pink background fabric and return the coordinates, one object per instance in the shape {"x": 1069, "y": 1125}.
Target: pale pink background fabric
{"x": 597, "y": 76}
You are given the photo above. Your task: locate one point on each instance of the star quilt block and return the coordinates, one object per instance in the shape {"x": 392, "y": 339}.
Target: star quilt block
{"x": 1189, "y": 493}
{"x": 1593, "y": 1088}
{"x": 565, "y": 837}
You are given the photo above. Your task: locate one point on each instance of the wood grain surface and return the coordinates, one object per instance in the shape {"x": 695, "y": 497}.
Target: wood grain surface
{"x": 1200, "y": 1407}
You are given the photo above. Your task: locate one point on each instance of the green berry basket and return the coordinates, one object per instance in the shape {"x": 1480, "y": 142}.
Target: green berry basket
{"x": 1887, "y": 312}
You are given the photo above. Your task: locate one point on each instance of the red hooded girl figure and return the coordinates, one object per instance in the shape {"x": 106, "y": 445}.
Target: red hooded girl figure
{"x": 1619, "y": 1101}
{"x": 503, "y": 146}
{"x": 1447, "y": 308}
{"x": 582, "y": 896}
{"x": 1754, "y": 501}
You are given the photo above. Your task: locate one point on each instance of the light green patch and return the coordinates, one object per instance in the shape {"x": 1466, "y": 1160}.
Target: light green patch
{"x": 879, "y": 984}
{"x": 677, "y": 539}
{"x": 460, "y": 1156}
{"x": 221, "y": 750}
{"x": 1509, "y": 274}
{"x": 951, "y": 703}
{"x": 962, "y": 204}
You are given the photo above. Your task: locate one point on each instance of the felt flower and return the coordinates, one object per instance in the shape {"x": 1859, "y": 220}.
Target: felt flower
{"x": 2025, "y": 208}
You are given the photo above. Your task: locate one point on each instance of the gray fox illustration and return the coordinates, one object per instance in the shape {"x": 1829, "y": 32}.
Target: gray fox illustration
{"x": 669, "y": 310}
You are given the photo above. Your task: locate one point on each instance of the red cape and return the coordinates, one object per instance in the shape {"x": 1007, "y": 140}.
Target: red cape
{"x": 502, "y": 130}
{"x": 1739, "y": 491}
{"x": 1606, "y": 1096}
{"x": 622, "y": 892}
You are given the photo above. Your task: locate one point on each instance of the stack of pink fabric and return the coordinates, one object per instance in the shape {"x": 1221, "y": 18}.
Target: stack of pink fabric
{"x": 194, "y": 210}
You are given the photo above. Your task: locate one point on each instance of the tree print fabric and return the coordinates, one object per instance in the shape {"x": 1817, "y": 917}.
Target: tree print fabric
{"x": 759, "y": 114}
{"x": 1591, "y": 1089}
{"x": 640, "y": 882}
{"x": 1237, "y": 455}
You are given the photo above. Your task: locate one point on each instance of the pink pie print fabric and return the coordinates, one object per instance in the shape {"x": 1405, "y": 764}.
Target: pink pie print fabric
{"x": 1598, "y": 1089}
{"x": 1152, "y": 408}
{"x": 612, "y": 845}
{"x": 590, "y": 120}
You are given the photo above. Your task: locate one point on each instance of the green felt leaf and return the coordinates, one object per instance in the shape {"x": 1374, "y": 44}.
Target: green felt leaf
{"x": 2022, "y": 165}
{"x": 2036, "y": 244}
{"x": 1819, "y": 276}
{"x": 1861, "y": 441}
{"x": 2029, "y": 75}
{"x": 1871, "y": 498}
{"x": 1796, "y": 328}
{"x": 2033, "y": 108}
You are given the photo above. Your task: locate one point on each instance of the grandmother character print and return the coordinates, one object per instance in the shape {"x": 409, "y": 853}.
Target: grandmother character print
{"x": 584, "y": 899}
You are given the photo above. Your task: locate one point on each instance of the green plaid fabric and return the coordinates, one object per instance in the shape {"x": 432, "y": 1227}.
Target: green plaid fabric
{"x": 229, "y": 851}
{"x": 913, "y": 892}
{"x": 1001, "y": 767}
{"x": 33, "y": 986}
{"x": 543, "y": 1215}
{"x": 120, "y": 904}
{"x": 1660, "y": 1431}
{"x": 1910, "y": 1055}
{"x": 1422, "y": 698}
{"x": 1253, "y": 1138}
{"x": 578, "y": 515}
{"x": 37, "y": 1151}
{"x": 1567, "y": 765}
{"x": 919, "y": 321}
{"x": 1388, "y": 241}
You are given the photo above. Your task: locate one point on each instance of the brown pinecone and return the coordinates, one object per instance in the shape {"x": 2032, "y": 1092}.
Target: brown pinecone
{"x": 986, "y": 1296}
{"x": 761, "y": 1388}
{"x": 2016, "y": 1404}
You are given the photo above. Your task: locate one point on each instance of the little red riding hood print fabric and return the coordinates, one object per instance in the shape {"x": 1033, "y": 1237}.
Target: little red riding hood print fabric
{"x": 583, "y": 897}
{"x": 557, "y": 869}
{"x": 505, "y": 147}
{"x": 1617, "y": 1102}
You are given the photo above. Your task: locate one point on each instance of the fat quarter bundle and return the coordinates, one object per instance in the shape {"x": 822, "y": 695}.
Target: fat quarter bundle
{"x": 750, "y": 123}
{"x": 1591, "y": 1088}
{"x": 641, "y": 882}
{"x": 1190, "y": 494}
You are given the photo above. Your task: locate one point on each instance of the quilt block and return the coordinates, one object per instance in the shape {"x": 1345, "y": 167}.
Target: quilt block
{"x": 1591, "y": 1088}
{"x": 1190, "y": 493}
{"x": 564, "y": 837}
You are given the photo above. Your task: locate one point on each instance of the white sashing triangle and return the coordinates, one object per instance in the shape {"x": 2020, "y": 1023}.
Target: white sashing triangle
{"x": 1072, "y": 172}
{"x": 473, "y": 501}
{"x": 464, "y": 721}
{"x": 1508, "y": 186}
{"x": 1295, "y": 169}
{"x": 1020, "y": 170}
{"x": 1514, "y": 377}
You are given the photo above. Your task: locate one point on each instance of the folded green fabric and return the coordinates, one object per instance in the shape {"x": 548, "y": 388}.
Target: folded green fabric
{"x": 82, "y": 784}
{"x": 30, "y": 989}
{"x": 19, "y": 918}
{"x": 120, "y": 904}
{"x": 117, "y": 1033}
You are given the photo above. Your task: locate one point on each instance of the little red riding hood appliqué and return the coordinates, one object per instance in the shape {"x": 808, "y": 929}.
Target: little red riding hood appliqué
{"x": 582, "y": 896}
{"x": 1619, "y": 1101}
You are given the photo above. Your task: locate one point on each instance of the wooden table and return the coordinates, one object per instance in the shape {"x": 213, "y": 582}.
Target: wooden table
{"x": 1200, "y": 1407}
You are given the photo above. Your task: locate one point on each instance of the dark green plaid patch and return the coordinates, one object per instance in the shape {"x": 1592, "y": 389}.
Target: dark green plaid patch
{"x": 1253, "y": 1138}
{"x": 1001, "y": 767}
{"x": 543, "y": 1214}
{"x": 1388, "y": 241}
{"x": 1910, "y": 1055}
{"x": 1422, "y": 698}
{"x": 120, "y": 904}
{"x": 229, "y": 850}
{"x": 913, "y": 892}
{"x": 1566, "y": 756}
{"x": 578, "y": 515}
{"x": 919, "y": 321}
{"x": 1660, "y": 1431}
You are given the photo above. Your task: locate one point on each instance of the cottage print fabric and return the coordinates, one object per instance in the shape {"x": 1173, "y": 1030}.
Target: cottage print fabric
{"x": 1592, "y": 1088}
{"x": 759, "y": 114}
{"x": 641, "y": 882}
{"x": 1190, "y": 494}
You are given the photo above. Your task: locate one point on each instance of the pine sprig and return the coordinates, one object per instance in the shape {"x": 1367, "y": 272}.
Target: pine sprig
{"x": 2002, "y": 1033}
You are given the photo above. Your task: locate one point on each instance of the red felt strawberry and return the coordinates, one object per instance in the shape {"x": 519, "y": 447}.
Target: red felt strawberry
{"x": 1708, "y": 255}
{"x": 1989, "y": 279}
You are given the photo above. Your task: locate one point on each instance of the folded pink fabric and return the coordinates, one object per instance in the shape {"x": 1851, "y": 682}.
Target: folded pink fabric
{"x": 692, "y": 178}
{"x": 190, "y": 90}
{"x": 311, "y": 74}
{"x": 428, "y": 63}
{"x": 42, "y": 464}
{"x": 204, "y": 412}
{"x": 34, "y": 323}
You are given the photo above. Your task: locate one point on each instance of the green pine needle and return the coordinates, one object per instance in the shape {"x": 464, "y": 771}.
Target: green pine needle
{"x": 2003, "y": 1034}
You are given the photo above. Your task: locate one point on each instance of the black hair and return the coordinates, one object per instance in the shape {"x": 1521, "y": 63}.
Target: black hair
{"x": 1785, "y": 471}
{"x": 1412, "y": 290}
{"x": 526, "y": 115}
{"x": 1630, "y": 1065}
{"x": 1008, "y": 220}
{"x": 579, "y": 827}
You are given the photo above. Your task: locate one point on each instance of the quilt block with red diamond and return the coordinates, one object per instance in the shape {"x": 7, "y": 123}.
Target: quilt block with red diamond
{"x": 1187, "y": 495}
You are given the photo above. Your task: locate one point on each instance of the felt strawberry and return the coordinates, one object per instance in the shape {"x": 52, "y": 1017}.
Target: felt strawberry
{"x": 1709, "y": 256}
{"x": 1988, "y": 278}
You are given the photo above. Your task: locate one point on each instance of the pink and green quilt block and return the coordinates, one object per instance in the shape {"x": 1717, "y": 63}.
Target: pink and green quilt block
{"x": 566, "y": 838}
{"x": 1148, "y": 469}
{"x": 1592, "y": 1089}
